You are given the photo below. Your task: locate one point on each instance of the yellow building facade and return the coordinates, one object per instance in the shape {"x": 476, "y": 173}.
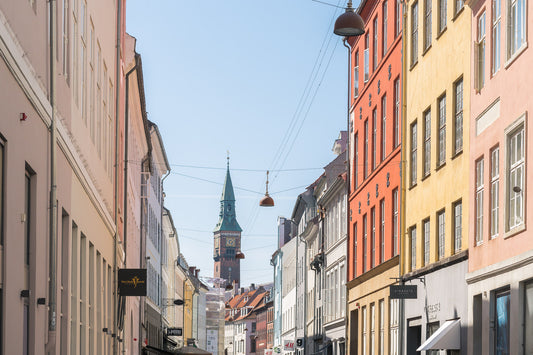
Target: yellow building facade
{"x": 435, "y": 214}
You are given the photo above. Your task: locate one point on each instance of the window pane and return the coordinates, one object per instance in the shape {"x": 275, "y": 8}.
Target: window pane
{"x": 528, "y": 315}
{"x": 502, "y": 323}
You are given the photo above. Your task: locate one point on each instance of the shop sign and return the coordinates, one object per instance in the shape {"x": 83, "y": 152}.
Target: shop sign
{"x": 288, "y": 345}
{"x": 403, "y": 292}
{"x": 132, "y": 282}
{"x": 175, "y": 331}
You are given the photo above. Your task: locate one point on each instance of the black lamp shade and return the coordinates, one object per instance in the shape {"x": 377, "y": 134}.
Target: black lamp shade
{"x": 349, "y": 24}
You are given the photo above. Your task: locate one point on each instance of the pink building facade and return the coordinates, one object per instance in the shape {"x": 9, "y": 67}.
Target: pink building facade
{"x": 500, "y": 277}
{"x": 88, "y": 247}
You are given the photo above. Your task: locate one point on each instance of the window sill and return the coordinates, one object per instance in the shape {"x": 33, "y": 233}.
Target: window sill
{"x": 442, "y": 32}
{"x": 412, "y": 186}
{"x": 514, "y": 231}
{"x": 426, "y": 50}
{"x": 458, "y": 13}
{"x": 515, "y": 55}
{"x": 413, "y": 65}
{"x": 442, "y": 165}
{"x": 456, "y": 154}
{"x": 425, "y": 176}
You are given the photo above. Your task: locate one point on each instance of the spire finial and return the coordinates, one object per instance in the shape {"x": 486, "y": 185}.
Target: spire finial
{"x": 227, "y": 152}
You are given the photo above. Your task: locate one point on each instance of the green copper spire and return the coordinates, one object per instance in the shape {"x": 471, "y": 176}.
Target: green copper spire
{"x": 227, "y": 219}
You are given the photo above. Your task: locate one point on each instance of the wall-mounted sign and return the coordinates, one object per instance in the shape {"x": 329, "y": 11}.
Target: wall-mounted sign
{"x": 299, "y": 342}
{"x": 175, "y": 331}
{"x": 403, "y": 291}
{"x": 269, "y": 352}
{"x": 288, "y": 345}
{"x": 132, "y": 282}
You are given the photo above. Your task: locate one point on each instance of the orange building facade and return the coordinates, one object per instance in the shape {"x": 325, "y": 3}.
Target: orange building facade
{"x": 375, "y": 183}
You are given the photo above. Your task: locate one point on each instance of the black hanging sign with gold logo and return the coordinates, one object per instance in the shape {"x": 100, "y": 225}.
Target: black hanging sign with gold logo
{"x": 132, "y": 282}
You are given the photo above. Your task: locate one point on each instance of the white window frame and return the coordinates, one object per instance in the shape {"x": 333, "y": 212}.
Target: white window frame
{"x": 516, "y": 32}
{"x": 480, "y": 187}
{"x": 494, "y": 228}
{"x": 518, "y": 126}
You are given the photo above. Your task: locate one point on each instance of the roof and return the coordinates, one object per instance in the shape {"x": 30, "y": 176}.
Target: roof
{"x": 228, "y": 218}
{"x": 252, "y": 300}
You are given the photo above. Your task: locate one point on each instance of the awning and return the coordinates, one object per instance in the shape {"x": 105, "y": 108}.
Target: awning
{"x": 447, "y": 337}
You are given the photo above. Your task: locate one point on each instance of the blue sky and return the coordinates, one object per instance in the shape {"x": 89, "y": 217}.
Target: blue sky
{"x": 264, "y": 80}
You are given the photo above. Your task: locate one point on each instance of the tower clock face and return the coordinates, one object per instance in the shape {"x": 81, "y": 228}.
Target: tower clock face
{"x": 230, "y": 242}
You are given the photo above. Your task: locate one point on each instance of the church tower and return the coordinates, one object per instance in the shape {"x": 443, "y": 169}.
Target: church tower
{"x": 227, "y": 237}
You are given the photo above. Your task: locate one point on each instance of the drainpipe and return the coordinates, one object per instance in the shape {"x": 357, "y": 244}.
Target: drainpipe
{"x": 403, "y": 173}
{"x": 117, "y": 160}
{"x": 346, "y": 298}
{"x": 52, "y": 288}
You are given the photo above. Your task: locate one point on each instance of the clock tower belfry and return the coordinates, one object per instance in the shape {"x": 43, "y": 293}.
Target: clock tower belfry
{"x": 227, "y": 237}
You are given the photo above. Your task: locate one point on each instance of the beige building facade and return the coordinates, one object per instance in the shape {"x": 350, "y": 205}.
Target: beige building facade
{"x": 83, "y": 147}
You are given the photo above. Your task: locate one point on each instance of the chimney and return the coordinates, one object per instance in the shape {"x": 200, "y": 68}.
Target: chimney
{"x": 191, "y": 269}
{"x": 196, "y": 272}
{"x": 252, "y": 287}
{"x": 242, "y": 291}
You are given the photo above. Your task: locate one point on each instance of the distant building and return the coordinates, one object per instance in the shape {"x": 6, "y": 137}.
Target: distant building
{"x": 227, "y": 238}
{"x": 241, "y": 320}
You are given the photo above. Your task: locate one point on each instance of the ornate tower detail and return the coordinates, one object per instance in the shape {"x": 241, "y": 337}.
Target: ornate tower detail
{"x": 227, "y": 236}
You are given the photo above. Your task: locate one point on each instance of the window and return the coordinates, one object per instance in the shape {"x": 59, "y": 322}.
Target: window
{"x": 381, "y": 310}
{"x": 83, "y": 61}
{"x": 457, "y": 225}
{"x": 365, "y": 235}
{"x": 496, "y": 33}
{"x": 459, "y": 4}
{"x": 427, "y": 24}
{"x": 374, "y": 137}
{"x": 528, "y": 315}
{"x": 382, "y": 230}
{"x": 425, "y": 227}
{"x": 394, "y": 323}
{"x": 515, "y": 178}
{"x": 365, "y": 153}
{"x": 384, "y": 29}
{"x": 383, "y": 127}
{"x": 373, "y": 237}
{"x": 396, "y": 118}
{"x": 356, "y": 76}
{"x": 480, "y": 82}
{"x": 502, "y": 322}
{"x": 342, "y": 303}
{"x": 441, "y": 146}
{"x": 367, "y": 58}
{"x": 413, "y": 153}
{"x": 395, "y": 221}
{"x": 494, "y": 191}
{"x": 458, "y": 122}
{"x": 430, "y": 329}
{"x": 427, "y": 142}
{"x": 479, "y": 201}
{"x": 356, "y": 160}
{"x": 372, "y": 329}
{"x": 516, "y": 20}
{"x": 412, "y": 234}
{"x": 398, "y": 18}
{"x": 375, "y": 44}
{"x": 364, "y": 321}
{"x": 443, "y": 12}
{"x": 75, "y": 53}
{"x": 441, "y": 225}
{"x": 355, "y": 250}
{"x": 65, "y": 38}
{"x": 414, "y": 33}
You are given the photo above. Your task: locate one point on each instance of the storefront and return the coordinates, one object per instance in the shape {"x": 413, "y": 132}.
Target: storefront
{"x": 437, "y": 319}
